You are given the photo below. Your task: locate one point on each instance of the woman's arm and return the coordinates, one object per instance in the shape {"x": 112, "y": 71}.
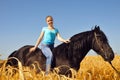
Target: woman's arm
{"x": 38, "y": 42}
{"x": 61, "y": 39}
{"x": 39, "y": 39}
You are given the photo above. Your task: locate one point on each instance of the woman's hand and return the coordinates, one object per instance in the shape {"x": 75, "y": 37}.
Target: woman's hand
{"x": 32, "y": 49}
{"x": 66, "y": 41}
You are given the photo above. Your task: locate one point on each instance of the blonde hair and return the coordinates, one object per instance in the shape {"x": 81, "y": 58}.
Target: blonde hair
{"x": 48, "y": 16}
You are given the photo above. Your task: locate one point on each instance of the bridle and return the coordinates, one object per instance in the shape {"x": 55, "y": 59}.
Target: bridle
{"x": 98, "y": 42}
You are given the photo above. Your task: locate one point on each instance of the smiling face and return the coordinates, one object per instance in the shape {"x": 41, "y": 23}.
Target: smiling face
{"x": 49, "y": 20}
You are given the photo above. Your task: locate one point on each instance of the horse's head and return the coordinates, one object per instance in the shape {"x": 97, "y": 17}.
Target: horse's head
{"x": 101, "y": 45}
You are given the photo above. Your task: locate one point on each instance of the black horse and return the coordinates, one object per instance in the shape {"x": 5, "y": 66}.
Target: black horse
{"x": 70, "y": 54}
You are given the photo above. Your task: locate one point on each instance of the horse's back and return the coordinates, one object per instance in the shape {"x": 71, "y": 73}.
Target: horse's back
{"x": 27, "y": 58}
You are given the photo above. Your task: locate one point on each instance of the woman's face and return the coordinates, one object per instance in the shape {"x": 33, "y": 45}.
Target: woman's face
{"x": 49, "y": 21}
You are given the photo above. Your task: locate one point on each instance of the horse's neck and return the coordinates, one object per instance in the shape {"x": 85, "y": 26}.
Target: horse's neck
{"x": 73, "y": 52}
{"x": 81, "y": 48}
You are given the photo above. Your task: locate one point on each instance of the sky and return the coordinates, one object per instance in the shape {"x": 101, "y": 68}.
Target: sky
{"x": 21, "y": 21}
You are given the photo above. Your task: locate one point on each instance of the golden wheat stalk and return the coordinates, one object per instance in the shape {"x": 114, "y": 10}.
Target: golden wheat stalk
{"x": 20, "y": 70}
{"x": 92, "y": 68}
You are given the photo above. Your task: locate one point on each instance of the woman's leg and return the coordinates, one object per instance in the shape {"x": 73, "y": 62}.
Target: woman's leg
{"x": 48, "y": 53}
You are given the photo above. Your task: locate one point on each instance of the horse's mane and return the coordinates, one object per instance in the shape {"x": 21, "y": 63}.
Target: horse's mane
{"x": 87, "y": 34}
{"x": 76, "y": 41}
{"x": 80, "y": 36}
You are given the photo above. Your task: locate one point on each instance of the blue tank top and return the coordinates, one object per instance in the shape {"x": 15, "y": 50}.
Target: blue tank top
{"x": 49, "y": 35}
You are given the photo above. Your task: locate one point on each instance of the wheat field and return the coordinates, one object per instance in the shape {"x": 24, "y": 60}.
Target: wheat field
{"x": 92, "y": 68}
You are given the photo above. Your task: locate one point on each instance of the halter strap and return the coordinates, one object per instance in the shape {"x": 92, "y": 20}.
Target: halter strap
{"x": 98, "y": 42}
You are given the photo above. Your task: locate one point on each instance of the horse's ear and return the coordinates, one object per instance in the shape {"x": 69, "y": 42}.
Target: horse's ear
{"x": 97, "y": 27}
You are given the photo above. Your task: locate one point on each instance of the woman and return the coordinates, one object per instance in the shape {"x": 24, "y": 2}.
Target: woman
{"x": 47, "y": 36}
